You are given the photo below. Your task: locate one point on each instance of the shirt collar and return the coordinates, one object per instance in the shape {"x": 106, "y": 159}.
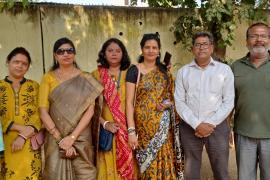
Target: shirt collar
{"x": 194, "y": 64}
{"x": 9, "y": 81}
{"x": 246, "y": 59}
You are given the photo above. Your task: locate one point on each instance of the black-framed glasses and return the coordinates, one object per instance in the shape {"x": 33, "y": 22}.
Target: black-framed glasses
{"x": 62, "y": 51}
{"x": 202, "y": 45}
{"x": 257, "y": 36}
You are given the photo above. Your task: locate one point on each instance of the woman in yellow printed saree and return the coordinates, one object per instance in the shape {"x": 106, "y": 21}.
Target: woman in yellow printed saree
{"x": 20, "y": 119}
{"x": 116, "y": 163}
{"x": 67, "y": 99}
{"x": 151, "y": 115}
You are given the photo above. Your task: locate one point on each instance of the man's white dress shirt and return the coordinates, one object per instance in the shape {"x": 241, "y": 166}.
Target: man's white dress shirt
{"x": 204, "y": 94}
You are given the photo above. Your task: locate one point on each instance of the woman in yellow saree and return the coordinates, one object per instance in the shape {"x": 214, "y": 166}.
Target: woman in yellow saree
{"x": 67, "y": 99}
{"x": 150, "y": 114}
{"x": 20, "y": 119}
{"x": 116, "y": 163}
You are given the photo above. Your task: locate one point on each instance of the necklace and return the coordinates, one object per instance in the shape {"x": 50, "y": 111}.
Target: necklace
{"x": 145, "y": 69}
{"x": 116, "y": 82}
{"x": 63, "y": 76}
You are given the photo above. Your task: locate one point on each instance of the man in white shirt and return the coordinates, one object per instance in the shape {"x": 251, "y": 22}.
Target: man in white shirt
{"x": 204, "y": 97}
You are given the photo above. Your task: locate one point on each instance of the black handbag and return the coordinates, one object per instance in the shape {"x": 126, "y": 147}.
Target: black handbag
{"x": 105, "y": 139}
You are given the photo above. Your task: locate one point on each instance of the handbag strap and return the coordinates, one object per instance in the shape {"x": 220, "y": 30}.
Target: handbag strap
{"x": 137, "y": 83}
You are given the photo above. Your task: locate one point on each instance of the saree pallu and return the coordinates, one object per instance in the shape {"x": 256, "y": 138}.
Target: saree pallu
{"x": 124, "y": 157}
{"x": 159, "y": 153}
{"x": 68, "y": 102}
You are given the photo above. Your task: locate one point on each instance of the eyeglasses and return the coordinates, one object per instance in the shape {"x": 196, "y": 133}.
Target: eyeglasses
{"x": 201, "y": 45}
{"x": 62, "y": 51}
{"x": 257, "y": 36}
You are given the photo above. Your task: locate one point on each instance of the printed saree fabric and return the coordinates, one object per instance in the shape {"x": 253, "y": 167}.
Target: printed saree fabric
{"x": 124, "y": 158}
{"x": 159, "y": 154}
{"x": 68, "y": 102}
{"x": 19, "y": 107}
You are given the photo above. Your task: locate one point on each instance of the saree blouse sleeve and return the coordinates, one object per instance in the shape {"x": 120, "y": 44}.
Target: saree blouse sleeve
{"x": 95, "y": 74}
{"x": 44, "y": 91}
{"x": 132, "y": 74}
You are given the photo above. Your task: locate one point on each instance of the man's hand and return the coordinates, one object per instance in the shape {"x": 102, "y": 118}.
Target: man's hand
{"x": 204, "y": 130}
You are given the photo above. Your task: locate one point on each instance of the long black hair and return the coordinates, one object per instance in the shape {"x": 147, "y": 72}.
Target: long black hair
{"x": 57, "y": 44}
{"x": 125, "y": 61}
{"x": 153, "y": 36}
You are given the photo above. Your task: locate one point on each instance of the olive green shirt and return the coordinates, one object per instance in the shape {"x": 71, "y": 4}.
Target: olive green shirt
{"x": 252, "y": 98}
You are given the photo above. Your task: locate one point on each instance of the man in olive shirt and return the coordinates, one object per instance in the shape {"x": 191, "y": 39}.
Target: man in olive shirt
{"x": 252, "y": 105}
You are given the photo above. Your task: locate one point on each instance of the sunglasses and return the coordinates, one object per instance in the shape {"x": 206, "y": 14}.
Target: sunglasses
{"x": 62, "y": 51}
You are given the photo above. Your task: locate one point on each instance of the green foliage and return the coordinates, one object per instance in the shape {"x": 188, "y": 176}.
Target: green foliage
{"x": 220, "y": 17}
{"x": 10, "y": 4}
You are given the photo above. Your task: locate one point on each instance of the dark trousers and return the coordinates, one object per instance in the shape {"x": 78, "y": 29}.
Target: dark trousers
{"x": 217, "y": 147}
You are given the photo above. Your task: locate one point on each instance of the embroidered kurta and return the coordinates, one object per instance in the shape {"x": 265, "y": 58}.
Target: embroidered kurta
{"x": 22, "y": 108}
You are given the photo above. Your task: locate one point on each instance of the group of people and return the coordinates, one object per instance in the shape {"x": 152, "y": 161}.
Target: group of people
{"x": 152, "y": 126}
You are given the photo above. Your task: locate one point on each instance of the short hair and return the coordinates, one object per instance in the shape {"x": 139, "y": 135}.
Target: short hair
{"x": 19, "y": 50}
{"x": 57, "y": 44}
{"x": 255, "y": 25}
{"x": 202, "y": 34}
{"x": 125, "y": 61}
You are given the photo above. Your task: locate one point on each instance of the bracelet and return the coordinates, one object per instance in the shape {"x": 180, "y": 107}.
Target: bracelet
{"x": 132, "y": 133}
{"x": 51, "y": 128}
{"x": 21, "y": 135}
{"x": 35, "y": 129}
{"x": 104, "y": 124}
{"x": 52, "y": 131}
{"x": 131, "y": 130}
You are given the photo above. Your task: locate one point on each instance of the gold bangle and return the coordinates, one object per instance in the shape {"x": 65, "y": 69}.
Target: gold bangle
{"x": 21, "y": 135}
{"x": 104, "y": 124}
{"x": 52, "y": 131}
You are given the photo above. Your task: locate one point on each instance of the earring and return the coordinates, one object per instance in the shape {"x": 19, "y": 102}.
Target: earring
{"x": 56, "y": 62}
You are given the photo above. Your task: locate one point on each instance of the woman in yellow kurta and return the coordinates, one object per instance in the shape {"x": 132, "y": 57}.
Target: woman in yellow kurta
{"x": 116, "y": 163}
{"x": 150, "y": 114}
{"x": 20, "y": 119}
{"x": 67, "y": 99}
